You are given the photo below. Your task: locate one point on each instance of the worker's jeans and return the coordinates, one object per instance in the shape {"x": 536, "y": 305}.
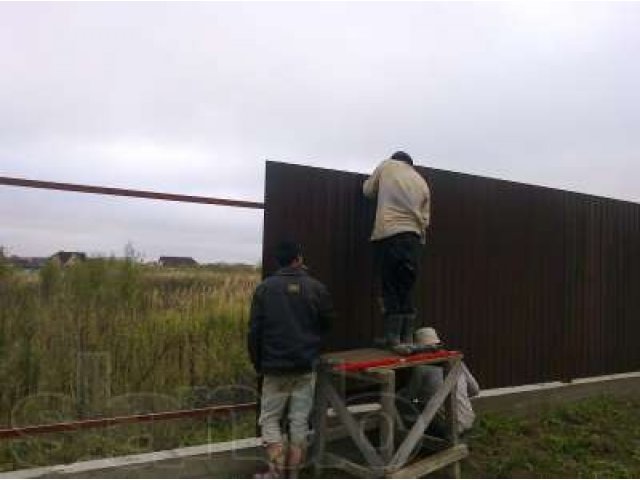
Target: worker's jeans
{"x": 277, "y": 390}
{"x": 398, "y": 260}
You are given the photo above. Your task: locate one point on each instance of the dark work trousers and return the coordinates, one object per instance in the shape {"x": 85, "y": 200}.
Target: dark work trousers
{"x": 398, "y": 259}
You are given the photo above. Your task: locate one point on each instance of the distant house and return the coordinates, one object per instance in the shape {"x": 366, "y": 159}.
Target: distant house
{"x": 177, "y": 262}
{"x": 68, "y": 258}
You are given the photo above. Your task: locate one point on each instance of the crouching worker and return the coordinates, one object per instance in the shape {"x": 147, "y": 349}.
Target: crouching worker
{"x": 424, "y": 383}
{"x": 290, "y": 313}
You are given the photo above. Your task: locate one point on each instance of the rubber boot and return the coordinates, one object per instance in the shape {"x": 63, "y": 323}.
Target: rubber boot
{"x": 406, "y": 331}
{"x": 392, "y": 329}
{"x": 405, "y": 346}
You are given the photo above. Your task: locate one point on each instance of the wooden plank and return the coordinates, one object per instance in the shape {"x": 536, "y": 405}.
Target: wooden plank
{"x": 451, "y": 410}
{"x": 319, "y": 420}
{"x": 357, "y": 355}
{"x": 432, "y": 463}
{"x": 400, "y": 425}
{"x": 367, "y": 376}
{"x": 454, "y": 470}
{"x": 340, "y": 431}
{"x": 355, "y": 432}
{"x": 369, "y": 422}
{"x": 451, "y": 407}
{"x": 340, "y": 384}
{"x": 375, "y": 354}
{"x": 334, "y": 461}
{"x": 357, "y": 409}
{"x": 387, "y": 415}
{"x": 407, "y": 363}
{"x": 417, "y": 431}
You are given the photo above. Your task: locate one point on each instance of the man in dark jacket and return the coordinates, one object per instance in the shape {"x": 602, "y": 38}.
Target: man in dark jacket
{"x": 290, "y": 313}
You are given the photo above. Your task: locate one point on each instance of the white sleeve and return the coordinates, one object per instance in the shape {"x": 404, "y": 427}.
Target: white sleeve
{"x": 472, "y": 384}
{"x": 370, "y": 185}
{"x": 426, "y": 209}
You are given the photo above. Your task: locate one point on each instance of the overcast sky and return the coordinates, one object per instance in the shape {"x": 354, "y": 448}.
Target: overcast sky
{"x": 192, "y": 98}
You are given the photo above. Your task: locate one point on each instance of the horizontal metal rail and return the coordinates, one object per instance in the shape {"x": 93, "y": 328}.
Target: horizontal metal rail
{"x": 122, "y": 192}
{"x": 17, "y": 432}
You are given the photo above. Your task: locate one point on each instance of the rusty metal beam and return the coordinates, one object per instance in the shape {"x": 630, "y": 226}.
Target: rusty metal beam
{"x": 122, "y": 192}
{"x": 17, "y": 432}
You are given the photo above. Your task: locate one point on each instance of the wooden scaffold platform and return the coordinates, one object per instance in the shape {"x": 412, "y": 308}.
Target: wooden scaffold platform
{"x": 398, "y": 453}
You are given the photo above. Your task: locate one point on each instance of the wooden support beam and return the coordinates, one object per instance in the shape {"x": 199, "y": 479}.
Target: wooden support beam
{"x": 400, "y": 425}
{"x": 358, "y": 436}
{"x": 335, "y": 461}
{"x": 340, "y": 431}
{"x": 432, "y": 463}
{"x": 384, "y": 463}
{"x": 452, "y": 419}
{"x": 417, "y": 431}
{"x": 319, "y": 421}
{"x": 387, "y": 414}
{"x": 369, "y": 377}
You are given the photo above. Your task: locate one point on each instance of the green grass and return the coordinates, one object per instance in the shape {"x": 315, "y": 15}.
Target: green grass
{"x": 595, "y": 438}
{"x": 141, "y": 329}
{"x": 68, "y": 447}
{"x": 110, "y": 337}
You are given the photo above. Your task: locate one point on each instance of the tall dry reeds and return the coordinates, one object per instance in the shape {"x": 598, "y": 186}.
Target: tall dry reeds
{"x": 76, "y": 340}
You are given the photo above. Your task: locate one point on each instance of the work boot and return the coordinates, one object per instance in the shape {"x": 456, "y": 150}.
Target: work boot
{"x": 392, "y": 330}
{"x": 406, "y": 328}
{"x": 405, "y": 345}
{"x": 404, "y": 349}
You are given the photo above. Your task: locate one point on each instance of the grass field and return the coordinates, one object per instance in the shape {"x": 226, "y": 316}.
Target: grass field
{"x": 113, "y": 337}
{"x": 109, "y": 327}
{"x": 594, "y": 438}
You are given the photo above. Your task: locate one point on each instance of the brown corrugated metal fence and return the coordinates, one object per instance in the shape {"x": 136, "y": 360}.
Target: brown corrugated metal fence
{"x": 533, "y": 284}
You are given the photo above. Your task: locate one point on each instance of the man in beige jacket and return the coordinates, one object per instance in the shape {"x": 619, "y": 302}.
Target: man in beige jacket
{"x": 402, "y": 217}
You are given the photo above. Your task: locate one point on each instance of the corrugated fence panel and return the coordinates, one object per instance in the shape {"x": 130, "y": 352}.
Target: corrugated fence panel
{"x": 533, "y": 284}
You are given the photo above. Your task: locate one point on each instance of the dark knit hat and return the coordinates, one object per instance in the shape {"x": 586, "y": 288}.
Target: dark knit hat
{"x": 403, "y": 157}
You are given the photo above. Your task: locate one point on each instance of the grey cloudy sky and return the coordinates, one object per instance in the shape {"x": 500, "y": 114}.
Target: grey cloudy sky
{"x": 193, "y": 97}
